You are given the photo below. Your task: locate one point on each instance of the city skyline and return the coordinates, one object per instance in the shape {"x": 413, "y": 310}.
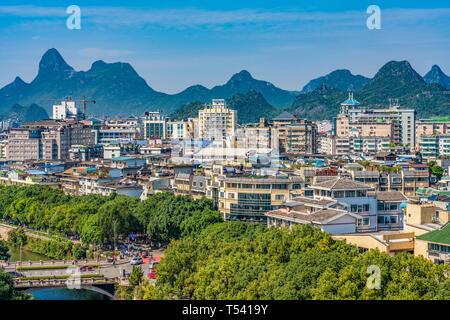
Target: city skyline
{"x": 173, "y": 47}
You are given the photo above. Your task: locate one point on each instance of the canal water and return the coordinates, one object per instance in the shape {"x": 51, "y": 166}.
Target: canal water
{"x": 26, "y": 255}
{"x": 54, "y": 293}
{"x": 66, "y": 294}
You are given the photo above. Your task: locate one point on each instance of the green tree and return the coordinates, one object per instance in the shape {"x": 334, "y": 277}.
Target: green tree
{"x": 6, "y": 286}
{"x": 4, "y": 254}
{"x": 136, "y": 276}
{"x": 16, "y": 237}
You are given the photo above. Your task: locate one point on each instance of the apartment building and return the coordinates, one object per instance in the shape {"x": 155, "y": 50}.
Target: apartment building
{"x": 431, "y": 127}
{"x": 47, "y": 139}
{"x": 216, "y": 121}
{"x": 177, "y": 130}
{"x": 342, "y": 206}
{"x": 154, "y": 125}
{"x": 296, "y": 135}
{"x": 395, "y": 122}
{"x": 327, "y": 144}
{"x": 248, "y": 197}
{"x": 432, "y": 146}
{"x": 390, "y": 215}
{"x": 24, "y": 144}
{"x": 355, "y": 195}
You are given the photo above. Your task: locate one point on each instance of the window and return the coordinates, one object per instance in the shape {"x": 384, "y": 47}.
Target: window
{"x": 363, "y": 222}
{"x": 279, "y": 197}
{"x": 393, "y": 219}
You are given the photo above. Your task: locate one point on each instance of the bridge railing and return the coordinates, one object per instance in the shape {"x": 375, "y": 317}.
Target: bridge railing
{"x": 63, "y": 282}
{"x": 7, "y": 264}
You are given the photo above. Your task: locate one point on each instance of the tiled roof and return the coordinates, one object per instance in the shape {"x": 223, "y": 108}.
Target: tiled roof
{"x": 317, "y": 217}
{"x": 341, "y": 184}
{"x": 367, "y": 174}
{"x": 391, "y": 196}
{"x": 307, "y": 200}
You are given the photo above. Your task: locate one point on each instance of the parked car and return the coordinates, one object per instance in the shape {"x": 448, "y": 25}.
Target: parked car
{"x": 152, "y": 274}
{"x": 15, "y": 274}
{"x": 136, "y": 261}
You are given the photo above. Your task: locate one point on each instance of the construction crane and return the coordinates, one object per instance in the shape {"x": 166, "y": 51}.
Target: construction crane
{"x": 83, "y": 100}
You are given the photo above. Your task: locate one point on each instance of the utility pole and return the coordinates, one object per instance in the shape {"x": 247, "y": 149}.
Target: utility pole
{"x": 21, "y": 241}
{"x": 114, "y": 252}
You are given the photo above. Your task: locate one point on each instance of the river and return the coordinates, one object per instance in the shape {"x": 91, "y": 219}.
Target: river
{"x": 54, "y": 293}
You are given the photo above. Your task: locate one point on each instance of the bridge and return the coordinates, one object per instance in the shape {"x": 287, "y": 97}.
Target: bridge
{"x": 55, "y": 273}
{"x": 18, "y": 264}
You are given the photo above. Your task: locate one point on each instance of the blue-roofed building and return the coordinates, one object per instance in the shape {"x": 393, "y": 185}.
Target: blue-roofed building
{"x": 349, "y": 104}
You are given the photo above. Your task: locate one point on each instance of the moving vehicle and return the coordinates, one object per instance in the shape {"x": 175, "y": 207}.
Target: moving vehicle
{"x": 136, "y": 261}
{"x": 84, "y": 268}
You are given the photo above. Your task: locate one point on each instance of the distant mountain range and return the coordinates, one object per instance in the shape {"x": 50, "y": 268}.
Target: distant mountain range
{"x": 120, "y": 91}
{"x": 341, "y": 79}
{"x": 396, "y": 79}
{"x": 435, "y": 75}
{"x": 29, "y": 113}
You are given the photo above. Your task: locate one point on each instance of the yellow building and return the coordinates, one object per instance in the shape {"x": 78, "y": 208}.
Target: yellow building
{"x": 249, "y": 198}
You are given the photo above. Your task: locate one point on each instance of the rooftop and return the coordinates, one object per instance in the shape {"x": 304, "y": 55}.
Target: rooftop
{"x": 437, "y": 236}
{"x": 341, "y": 184}
{"x": 391, "y": 196}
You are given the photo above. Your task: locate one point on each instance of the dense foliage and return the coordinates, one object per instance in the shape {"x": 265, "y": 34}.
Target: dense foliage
{"x": 7, "y": 291}
{"x": 98, "y": 219}
{"x": 234, "y": 260}
{"x": 4, "y": 254}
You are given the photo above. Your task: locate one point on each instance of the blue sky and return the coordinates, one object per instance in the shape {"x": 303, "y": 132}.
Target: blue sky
{"x": 174, "y": 44}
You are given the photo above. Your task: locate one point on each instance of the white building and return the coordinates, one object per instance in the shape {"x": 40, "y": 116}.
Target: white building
{"x": 67, "y": 109}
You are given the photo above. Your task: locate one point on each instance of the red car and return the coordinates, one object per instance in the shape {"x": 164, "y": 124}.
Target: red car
{"x": 84, "y": 268}
{"x": 152, "y": 274}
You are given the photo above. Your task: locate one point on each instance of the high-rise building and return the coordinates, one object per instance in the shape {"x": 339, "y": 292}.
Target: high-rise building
{"x": 154, "y": 125}
{"x": 216, "y": 121}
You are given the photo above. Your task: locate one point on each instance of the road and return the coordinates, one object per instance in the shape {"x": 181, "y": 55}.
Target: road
{"x": 107, "y": 269}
